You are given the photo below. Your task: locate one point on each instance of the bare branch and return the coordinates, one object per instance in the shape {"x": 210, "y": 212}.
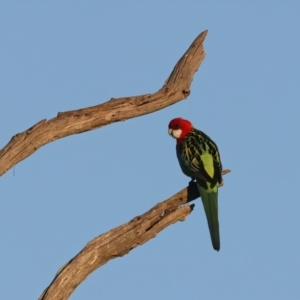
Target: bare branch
{"x": 116, "y": 243}
{"x": 120, "y": 241}
{"x": 176, "y": 88}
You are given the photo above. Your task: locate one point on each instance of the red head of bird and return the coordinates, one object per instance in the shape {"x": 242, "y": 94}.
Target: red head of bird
{"x": 179, "y": 128}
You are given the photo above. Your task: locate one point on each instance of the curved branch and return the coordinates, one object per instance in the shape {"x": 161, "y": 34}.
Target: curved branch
{"x": 176, "y": 88}
{"x": 120, "y": 241}
{"x": 116, "y": 243}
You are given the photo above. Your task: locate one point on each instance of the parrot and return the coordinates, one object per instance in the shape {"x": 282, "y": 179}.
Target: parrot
{"x": 199, "y": 158}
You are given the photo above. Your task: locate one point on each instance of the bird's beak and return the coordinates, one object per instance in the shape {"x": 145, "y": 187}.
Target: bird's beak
{"x": 175, "y": 133}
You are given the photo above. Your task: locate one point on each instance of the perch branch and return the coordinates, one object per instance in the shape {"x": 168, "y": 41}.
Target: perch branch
{"x": 176, "y": 88}
{"x": 120, "y": 241}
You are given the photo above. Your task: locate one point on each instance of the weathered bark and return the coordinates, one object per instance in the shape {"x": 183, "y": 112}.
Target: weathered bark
{"x": 176, "y": 88}
{"x": 120, "y": 241}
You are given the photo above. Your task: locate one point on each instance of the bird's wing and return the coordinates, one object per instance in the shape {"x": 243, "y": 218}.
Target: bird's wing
{"x": 200, "y": 157}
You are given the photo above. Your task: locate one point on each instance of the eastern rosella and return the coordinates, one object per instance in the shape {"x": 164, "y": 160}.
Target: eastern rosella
{"x": 199, "y": 159}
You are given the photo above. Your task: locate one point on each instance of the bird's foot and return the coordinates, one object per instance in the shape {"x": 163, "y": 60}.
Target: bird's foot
{"x": 192, "y": 180}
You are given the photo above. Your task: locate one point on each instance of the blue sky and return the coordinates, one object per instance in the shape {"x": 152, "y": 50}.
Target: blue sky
{"x": 58, "y": 56}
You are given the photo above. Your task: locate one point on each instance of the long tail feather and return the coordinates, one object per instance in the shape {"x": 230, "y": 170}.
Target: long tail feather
{"x": 210, "y": 203}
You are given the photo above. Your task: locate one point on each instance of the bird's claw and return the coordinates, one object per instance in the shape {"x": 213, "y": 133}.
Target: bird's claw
{"x": 192, "y": 180}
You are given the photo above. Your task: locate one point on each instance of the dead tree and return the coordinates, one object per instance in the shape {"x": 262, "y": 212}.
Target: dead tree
{"x": 118, "y": 241}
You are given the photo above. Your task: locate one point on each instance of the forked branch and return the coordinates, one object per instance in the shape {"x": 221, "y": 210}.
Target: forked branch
{"x": 120, "y": 241}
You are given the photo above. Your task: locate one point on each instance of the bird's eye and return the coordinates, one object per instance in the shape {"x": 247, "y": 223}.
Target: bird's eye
{"x": 176, "y": 126}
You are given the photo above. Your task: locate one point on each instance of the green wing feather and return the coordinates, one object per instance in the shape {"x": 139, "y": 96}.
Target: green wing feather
{"x": 199, "y": 158}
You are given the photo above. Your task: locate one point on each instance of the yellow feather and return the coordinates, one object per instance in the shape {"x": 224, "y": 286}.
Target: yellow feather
{"x": 208, "y": 163}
